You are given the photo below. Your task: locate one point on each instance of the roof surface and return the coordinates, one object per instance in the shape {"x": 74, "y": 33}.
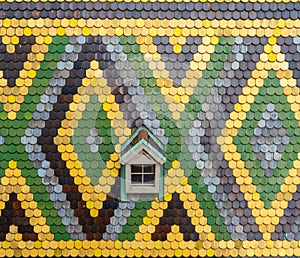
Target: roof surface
{"x": 216, "y": 82}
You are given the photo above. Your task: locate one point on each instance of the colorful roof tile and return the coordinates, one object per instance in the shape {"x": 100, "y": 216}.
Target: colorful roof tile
{"x": 216, "y": 84}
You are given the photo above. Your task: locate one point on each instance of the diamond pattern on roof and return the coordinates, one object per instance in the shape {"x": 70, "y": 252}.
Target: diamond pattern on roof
{"x": 216, "y": 83}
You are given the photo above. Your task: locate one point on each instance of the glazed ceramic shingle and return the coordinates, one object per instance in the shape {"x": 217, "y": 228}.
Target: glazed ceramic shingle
{"x": 212, "y": 85}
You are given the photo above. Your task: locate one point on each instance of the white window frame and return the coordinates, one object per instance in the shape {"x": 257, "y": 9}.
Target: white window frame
{"x": 133, "y": 188}
{"x": 142, "y": 173}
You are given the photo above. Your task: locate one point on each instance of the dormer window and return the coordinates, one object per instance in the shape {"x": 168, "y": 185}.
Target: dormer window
{"x": 142, "y": 159}
{"x": 143, "y": 174}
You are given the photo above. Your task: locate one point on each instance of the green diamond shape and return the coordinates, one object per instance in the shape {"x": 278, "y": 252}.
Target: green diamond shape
{"x": 282, "y": 153}
{"x": 93, "y": 117}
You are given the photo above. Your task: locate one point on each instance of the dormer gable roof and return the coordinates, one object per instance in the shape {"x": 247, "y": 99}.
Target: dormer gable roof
{"x": 143, "y": 145}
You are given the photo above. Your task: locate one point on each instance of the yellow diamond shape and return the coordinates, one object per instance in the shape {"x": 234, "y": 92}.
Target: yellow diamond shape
{"x": 265, "y": 218}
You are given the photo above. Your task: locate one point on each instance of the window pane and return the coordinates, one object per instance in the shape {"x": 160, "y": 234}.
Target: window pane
{"x": 149, "y": 168}
{"x": 136, "y": 168}
{"x": 149, "y": 178}
{"x": 136, "y": 179}
{"x": 143, "y": 174}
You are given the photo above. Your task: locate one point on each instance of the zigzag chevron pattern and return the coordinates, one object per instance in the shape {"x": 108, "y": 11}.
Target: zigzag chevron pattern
{"x": 222, "y": 95}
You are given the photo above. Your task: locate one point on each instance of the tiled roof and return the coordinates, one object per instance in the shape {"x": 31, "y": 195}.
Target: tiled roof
{"x": 216, "y": 82}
